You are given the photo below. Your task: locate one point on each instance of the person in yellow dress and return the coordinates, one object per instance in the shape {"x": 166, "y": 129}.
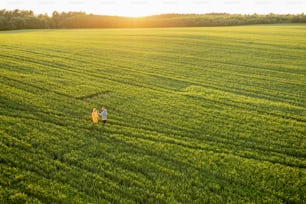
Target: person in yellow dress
{"x": 94, "y": 115}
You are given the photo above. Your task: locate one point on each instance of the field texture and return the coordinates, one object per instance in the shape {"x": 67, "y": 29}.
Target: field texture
{"x": 195, "y": 115}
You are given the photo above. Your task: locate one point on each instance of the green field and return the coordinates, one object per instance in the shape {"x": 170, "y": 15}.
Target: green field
{"x": 195, "y": 115}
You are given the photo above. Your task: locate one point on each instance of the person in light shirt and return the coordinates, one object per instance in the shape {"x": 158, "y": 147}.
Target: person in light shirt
{"x": 103, "y": 114}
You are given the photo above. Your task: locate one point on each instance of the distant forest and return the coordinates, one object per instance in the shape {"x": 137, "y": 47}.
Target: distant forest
{"x": 25, "y": 19}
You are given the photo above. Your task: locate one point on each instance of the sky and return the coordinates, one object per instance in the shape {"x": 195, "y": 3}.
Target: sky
{"x": 137, "y": 8}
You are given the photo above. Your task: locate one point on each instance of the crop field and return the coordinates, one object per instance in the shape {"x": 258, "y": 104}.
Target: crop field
{"x": 195, "y": 115}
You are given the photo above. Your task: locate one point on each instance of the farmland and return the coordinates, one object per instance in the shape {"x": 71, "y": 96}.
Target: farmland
{"x": 195, "y": 115}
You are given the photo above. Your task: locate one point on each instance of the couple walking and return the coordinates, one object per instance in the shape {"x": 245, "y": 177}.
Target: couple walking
{"x": 95, "y": 115}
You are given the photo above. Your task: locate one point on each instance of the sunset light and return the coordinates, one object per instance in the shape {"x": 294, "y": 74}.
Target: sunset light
{"x": 137, "y": 8}
{"x": 152, "y": 101}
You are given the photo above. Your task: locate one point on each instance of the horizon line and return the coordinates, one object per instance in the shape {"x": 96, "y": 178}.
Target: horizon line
{"x": 151, "y": 15}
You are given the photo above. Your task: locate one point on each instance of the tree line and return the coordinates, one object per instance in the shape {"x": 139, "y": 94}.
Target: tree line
{"x": 26, "y": 19}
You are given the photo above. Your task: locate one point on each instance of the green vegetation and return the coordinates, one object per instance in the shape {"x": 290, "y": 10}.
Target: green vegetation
{"x": 20, "y": 19}
{"x": 196, "y": 115}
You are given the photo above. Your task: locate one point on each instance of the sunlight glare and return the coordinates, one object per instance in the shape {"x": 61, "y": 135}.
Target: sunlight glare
{"x": 136, "y": 8}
